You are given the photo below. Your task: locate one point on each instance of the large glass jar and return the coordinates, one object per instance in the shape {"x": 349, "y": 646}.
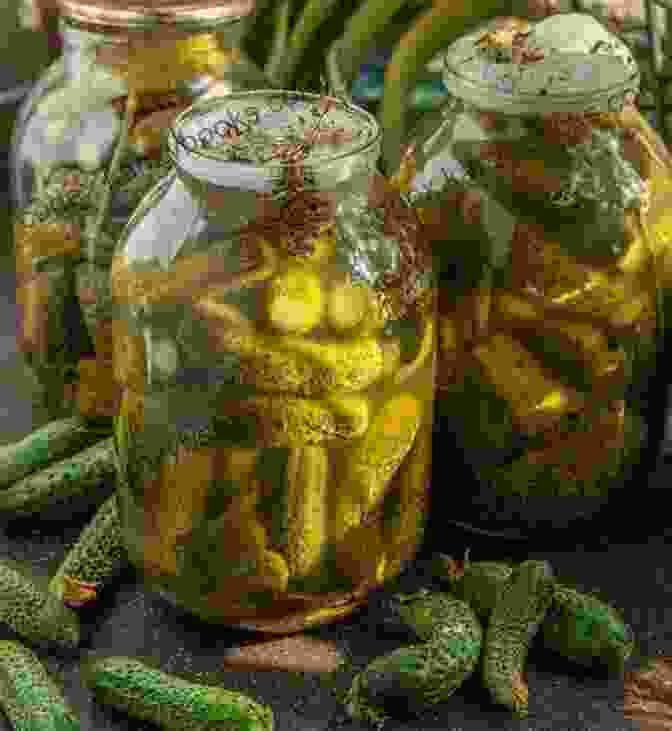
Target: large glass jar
{"x": 277, "y": 363}
{"x": 548, "y": 199}
{"x": 87, "y": 145}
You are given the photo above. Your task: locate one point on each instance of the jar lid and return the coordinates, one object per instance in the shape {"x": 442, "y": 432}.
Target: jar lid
{"x": 564, "y": 63}
{"x": 142, "y": 14}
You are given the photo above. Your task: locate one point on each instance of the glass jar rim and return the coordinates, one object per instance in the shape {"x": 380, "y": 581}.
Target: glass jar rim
{"x": 152, "y": 14}
{"x": 207, "y": 106}
{"x": 559, "y": 81}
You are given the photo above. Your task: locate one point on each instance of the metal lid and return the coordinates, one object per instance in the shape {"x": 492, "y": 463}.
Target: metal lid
{"x": 564, "y": 63}
{"x": 142, "y": 14}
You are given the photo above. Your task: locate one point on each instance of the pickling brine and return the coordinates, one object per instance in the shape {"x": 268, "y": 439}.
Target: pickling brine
{"x": 275, "y": 339}
{"x": 547, "y": 197}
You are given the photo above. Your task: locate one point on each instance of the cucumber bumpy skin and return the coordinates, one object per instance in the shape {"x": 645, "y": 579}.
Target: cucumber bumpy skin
{"x": 29, "y": 697}
{"x": 578, "y": 626}
{"x": 478, "y": 583}
{"x": 426, "y": 673}
{"x": 97, "y": 556}
{"x": 514, "y": 622}
{"x": 587, "y": 631}
{"x": 173, "y": 703}
{"x": 56, "y": 440}
{"x": 33, "y": 613}
{"x": 47, "y": 492}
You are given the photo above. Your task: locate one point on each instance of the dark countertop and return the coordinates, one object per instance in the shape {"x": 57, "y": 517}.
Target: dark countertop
{"x": 635, "y": 577}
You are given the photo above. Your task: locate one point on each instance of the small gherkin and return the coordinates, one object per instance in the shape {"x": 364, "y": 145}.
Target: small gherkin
{"x": 33, "y": 612}
{"x": 171, "y": 702}
{"x": 587, "y": 631}
{"x": 578, "y": 626}
{"x": 478, "y": 583}
{"x": 97, "y": 556}
{"x": 29, "y": 697}
{"x": 423, "y": 674}
{"x": 514, "y": 622}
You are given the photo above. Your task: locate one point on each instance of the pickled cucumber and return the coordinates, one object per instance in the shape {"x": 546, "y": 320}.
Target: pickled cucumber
{"x": 375, "y": 459}
{"x": 173, "y": 501}
{"x": 404, "y": 528}
{"x": 282, "y": 421}
{"x": 536, "y": 399}
{"x": 353, "y": 306}
{"x": 303, "y": 367}
{"x": 308, "y": 474}
{"x": 295, "y": 301}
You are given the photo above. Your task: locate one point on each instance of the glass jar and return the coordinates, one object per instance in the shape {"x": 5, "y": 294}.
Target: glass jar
{"x": 547, "y": 197}
{"x": 87, "y": 145}
{"x": 277, "y": 363}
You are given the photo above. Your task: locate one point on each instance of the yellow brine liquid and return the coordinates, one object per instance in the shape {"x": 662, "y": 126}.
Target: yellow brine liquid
{"x": 275, "y": 427}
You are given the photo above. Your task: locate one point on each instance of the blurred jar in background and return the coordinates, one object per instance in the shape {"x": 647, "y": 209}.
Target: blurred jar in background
{"x": 548, "y": 198}
{"x": 126, "y": 71}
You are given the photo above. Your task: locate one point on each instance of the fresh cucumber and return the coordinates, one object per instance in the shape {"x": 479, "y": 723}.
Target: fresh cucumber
{"x": 57, "y": 440}
{"x": 578, "y": 626}
{"x": 34, "y": 613}
{"x": 86, "y": 475}
{"x": 29, "y": 697}
{"x": 514, "y": 622}
{"x": 587, "y": 631}
{"x": 479, "y": 583}
{"x": 426, "y": 673}
{"x": 97, "y": 556}
{"x": 173, "y": 703}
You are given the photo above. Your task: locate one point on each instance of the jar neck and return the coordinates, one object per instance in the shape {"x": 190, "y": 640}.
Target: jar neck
{"x": 84, "y": 47}
{"x": 248, "y": 193}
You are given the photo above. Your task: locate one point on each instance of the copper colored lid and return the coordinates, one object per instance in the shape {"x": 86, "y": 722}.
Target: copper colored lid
{"x": 124, "y": 14}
